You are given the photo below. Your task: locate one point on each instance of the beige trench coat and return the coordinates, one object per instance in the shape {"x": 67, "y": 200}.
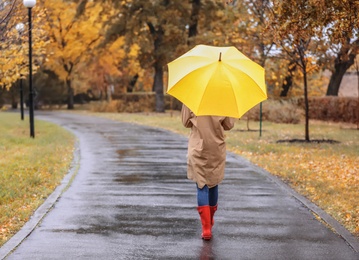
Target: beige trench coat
{"x": 206, "y": 155}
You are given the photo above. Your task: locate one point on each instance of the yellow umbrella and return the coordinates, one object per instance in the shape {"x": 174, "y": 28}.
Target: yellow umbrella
{"x": 218, "y": 81}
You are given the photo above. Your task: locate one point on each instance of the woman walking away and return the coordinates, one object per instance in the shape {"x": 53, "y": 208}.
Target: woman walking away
{"x": 206, "y": 161}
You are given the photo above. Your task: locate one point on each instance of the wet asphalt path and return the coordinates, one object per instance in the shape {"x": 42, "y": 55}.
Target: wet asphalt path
{"x": 131, "y": 200}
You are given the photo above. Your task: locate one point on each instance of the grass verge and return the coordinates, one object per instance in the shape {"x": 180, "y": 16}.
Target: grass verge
{"x": 30, "y": 169}
{"x": 325, "y": 173}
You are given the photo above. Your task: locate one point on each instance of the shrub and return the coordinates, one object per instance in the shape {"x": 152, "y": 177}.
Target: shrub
{"x": 331, "y": 108}
{"x": 288, "y": 111}
{"x": 129, "y": 103}
{"x": 276, "y": 111}
{"x": 103, "y": 106}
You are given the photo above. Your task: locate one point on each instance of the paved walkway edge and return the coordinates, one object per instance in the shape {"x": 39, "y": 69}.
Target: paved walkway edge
{"x": 350, "y": 239}
{"x": 41, "y": 211}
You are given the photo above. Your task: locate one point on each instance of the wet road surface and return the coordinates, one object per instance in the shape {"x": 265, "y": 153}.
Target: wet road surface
{"x": 130, "y": 199}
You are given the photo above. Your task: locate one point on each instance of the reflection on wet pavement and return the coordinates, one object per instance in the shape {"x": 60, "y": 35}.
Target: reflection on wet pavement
{"x": 131, "y": 200}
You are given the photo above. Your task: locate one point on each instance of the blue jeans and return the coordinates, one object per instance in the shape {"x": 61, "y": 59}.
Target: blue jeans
{"x": 207, "y": 196}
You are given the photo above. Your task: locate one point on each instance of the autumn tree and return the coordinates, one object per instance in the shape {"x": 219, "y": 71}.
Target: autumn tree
{"x": 14, "y": 43}
{"x": 342, "y": 31}
{"x": 248, "y": 33}
{"x": 153, "y": 25}
{"x": 212, "y": 23}
{"x": 11, "y": 43}
{"x": 158, "y": 27}
{"x": 256, "y": 42}
{"x": 295, "y": 26}
{"x": 165, "y": 29}
{"x": 74, "y": 33}
{"x": 112, "y": 67}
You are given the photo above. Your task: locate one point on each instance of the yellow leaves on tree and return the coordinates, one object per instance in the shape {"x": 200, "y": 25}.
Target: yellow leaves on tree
{"x": 72, "y": 37}
{"x": 115, "y": 62}
{"x": 14, "y": 44}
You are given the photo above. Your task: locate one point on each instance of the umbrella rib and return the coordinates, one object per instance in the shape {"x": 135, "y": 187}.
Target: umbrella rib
{"x": 203, "y": 95}
{"x": 244, "y": 73}
{"x": 250, "y": 78}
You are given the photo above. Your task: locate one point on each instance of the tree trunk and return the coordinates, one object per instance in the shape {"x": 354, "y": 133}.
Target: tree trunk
{"x": 303, "y": 65}
{"x": 70, "y": 95}
{"x": 357, "y": 69}
{"x": 13, "y": 92}
{"x": 132, "y": 83}
{"x": 336, "y": 78}
{"x": 109, "y": 94}
{"x": 13, "y": 103}
{"x": 341, "y": 65}
{"x": 358, "y": 104}
{"x": 158, "y": 88}
{"x": 288, "y": 82}
{"x": 192, "y": 30}
{"x": 306, "y": 105}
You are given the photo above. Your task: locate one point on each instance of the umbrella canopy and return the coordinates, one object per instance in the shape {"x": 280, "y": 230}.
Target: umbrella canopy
{"x": 218, "y": 81}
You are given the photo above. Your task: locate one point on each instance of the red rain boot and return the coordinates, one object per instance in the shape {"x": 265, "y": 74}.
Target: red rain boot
{"x": 205, "y": 214}
{"x": 213, "y": 209}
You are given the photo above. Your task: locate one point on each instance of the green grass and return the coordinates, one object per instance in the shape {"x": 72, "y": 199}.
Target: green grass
{"x": 325, "y": 173}
{"x": 30, "y": 169}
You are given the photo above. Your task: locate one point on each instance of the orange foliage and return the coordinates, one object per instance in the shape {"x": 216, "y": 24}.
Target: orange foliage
{"x": 15, "y": 45}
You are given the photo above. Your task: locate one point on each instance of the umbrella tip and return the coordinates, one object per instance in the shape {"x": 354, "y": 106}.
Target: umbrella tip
{"x": 220, "y": 56}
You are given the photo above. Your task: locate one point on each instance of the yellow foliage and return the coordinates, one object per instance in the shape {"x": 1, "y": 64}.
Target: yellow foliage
{"x": 14, "y": 47}
{"x": 73, "y": 37}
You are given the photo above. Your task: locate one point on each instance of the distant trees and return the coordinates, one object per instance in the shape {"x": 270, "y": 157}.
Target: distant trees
{"x": 164, "y": 29}
{"x": 98, "y": 44}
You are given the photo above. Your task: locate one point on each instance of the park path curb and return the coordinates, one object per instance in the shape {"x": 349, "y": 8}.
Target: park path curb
{"x": 41, "y": 211}
{"x": 350, "y": 239}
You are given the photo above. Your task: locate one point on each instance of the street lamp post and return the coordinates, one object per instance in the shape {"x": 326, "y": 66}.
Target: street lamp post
{"x": 21, "y": 99}
{"x": 29, "y": 4}
{"x": 20, "y": 28}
